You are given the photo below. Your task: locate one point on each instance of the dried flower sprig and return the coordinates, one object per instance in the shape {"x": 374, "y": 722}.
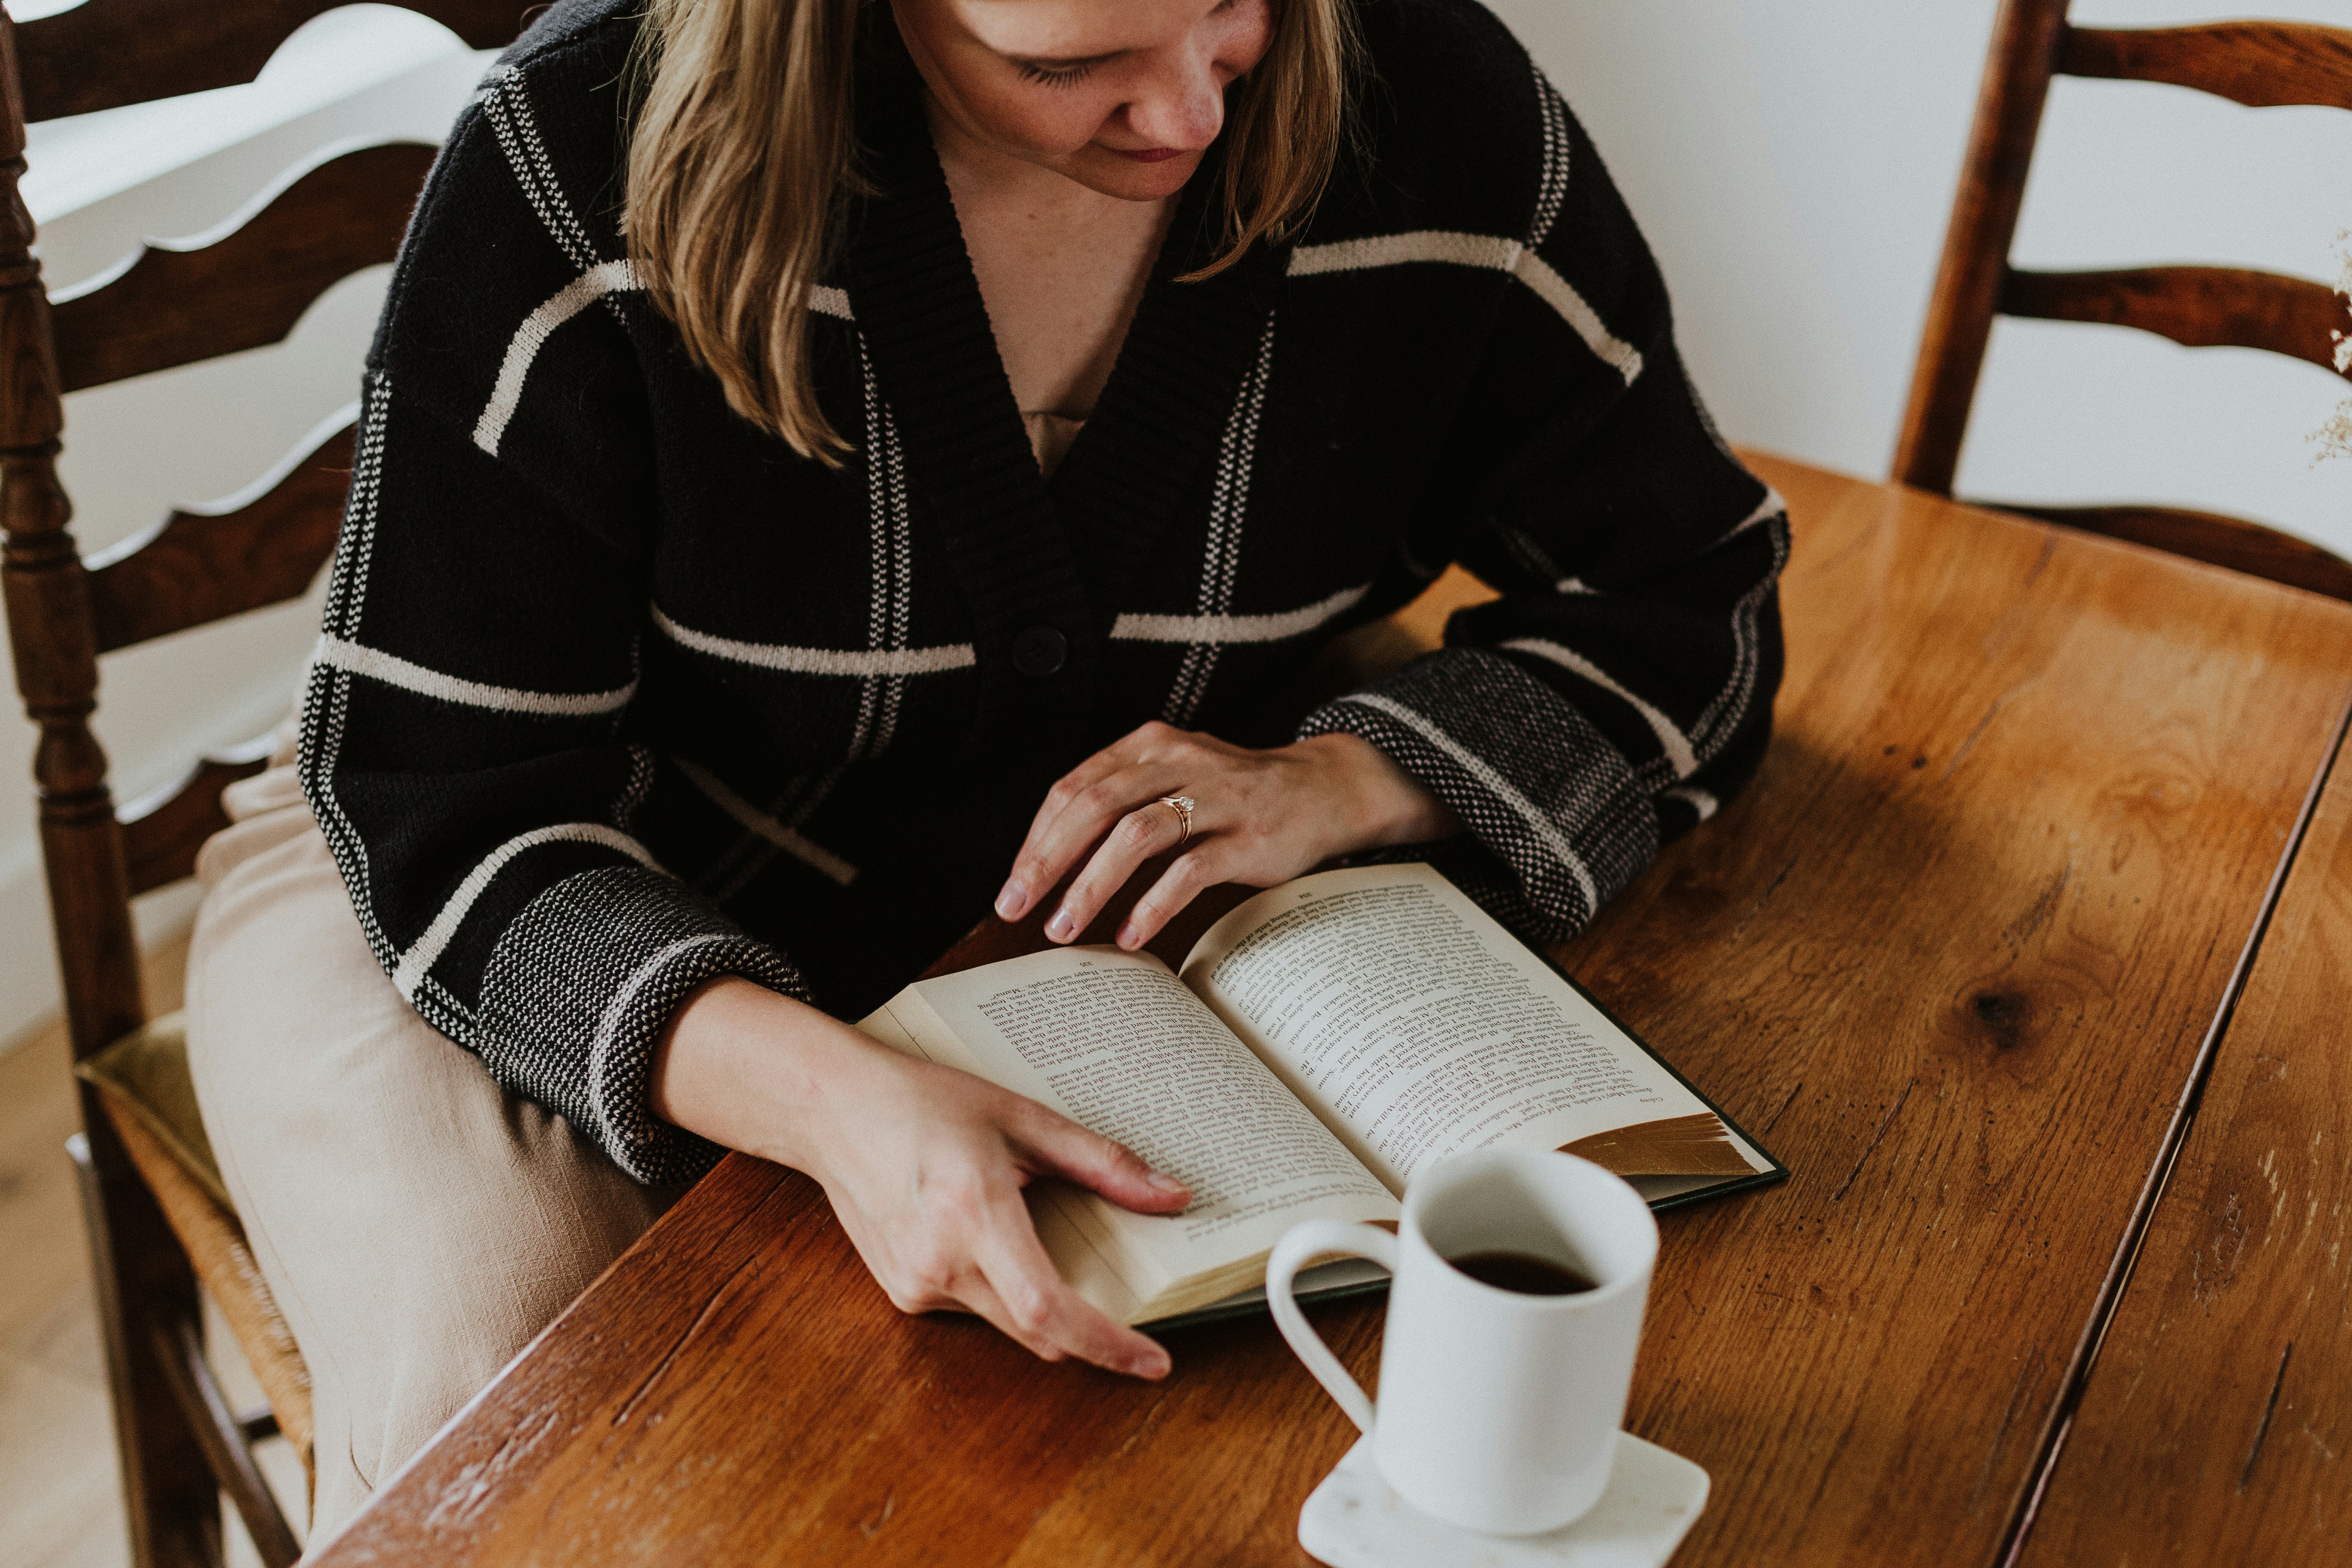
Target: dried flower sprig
{"x": 2334, "y": 438}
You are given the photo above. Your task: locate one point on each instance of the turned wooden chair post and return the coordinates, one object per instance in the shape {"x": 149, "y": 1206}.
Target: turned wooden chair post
{"x": 173, "y": 1501}
{"x": 2255, "y": 63}
{"x": 2023, "y": 58}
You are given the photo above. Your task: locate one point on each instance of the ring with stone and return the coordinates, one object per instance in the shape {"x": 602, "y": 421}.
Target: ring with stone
{"x": 1184, "y": 805}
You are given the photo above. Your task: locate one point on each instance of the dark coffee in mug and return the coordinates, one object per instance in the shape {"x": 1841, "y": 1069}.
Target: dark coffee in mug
{"x": 1525, "y": 1273}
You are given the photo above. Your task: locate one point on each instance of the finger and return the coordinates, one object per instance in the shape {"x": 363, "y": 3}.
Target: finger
{"x": 1058, "y": 847}
{"x": 939, "y": 1274}
{"x": 1003, "y": 1274}
{"x": 1023, "y": 889}
{"x": 1043, "y": 1309}
{"x": 974, "y": 1294}
{"x": 1149, "y": 829}
{"x": 1052, "y": 844}
{"x": 1048, "y": 1143}
{"x": 1178, "y": 886}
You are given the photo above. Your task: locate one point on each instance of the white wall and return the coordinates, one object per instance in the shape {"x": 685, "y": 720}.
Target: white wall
{"x": 96, "y": 185}
{"x": 1793, "y": 166}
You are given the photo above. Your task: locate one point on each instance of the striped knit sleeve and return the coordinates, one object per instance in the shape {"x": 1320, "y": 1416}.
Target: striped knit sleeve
{"x": 1621, "y": 688}
{"x": 464, "y": 743}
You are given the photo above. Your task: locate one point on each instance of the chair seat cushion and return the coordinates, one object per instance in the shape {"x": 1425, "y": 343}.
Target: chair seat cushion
{"x": 146, "y": 1074}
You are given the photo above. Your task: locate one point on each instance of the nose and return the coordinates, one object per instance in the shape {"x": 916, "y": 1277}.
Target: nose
{"x": 1181, "y": 105}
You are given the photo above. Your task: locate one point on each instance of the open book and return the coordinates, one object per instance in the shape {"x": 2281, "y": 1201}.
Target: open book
{"x": 1321, "y": 1043}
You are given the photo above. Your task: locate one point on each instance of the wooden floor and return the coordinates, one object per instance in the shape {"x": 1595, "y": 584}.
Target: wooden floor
{"x": 58, "y": 1503}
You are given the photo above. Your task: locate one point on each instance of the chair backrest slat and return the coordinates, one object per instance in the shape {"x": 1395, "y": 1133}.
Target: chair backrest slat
{"x": 2197, "y": 307}
{"x": 246, "y": 289}
{"x": 163, "y": 831}
{"x": 201, "y": 566}
{"x": 104, "y": 53}
{"x": 2263, "y": 64}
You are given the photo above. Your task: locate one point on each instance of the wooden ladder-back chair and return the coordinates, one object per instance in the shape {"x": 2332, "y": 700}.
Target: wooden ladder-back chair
{"x": 2256, "y": 63}
{"x": 159, "y": 1225}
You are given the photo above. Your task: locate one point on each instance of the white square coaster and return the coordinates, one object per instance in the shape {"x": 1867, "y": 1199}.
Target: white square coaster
{"x": 1354, "y": 1520}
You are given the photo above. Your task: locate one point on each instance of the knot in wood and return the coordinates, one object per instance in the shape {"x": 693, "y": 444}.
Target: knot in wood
{"x": 2003, "y": 1015}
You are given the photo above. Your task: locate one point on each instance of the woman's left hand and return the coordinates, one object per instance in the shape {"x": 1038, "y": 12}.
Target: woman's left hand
{"x": 1258, "y": 818}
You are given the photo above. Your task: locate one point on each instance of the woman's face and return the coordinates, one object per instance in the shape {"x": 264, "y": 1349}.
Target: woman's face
{"x": 1122, "y": 96}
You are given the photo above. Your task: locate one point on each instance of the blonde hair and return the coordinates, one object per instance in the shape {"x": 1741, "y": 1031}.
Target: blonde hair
{"x": 744, "y": 155}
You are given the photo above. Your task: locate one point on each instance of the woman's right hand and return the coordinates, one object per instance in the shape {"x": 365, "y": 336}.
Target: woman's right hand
{"x": 924, "y": 1164}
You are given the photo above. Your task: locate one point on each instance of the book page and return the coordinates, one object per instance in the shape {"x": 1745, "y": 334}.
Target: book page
{"x": 1417, "y": 1027}
{"x": 1115, "y": 1043}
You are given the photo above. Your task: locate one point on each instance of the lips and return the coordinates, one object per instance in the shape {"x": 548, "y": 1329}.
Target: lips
{"x": 1149, "y": 154}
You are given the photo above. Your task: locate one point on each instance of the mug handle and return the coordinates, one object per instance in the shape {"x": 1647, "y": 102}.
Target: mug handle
{"x": 1321, "y": 1238}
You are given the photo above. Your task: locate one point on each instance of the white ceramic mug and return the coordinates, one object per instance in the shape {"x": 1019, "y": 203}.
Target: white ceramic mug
{"x": 1498, "y": 1410}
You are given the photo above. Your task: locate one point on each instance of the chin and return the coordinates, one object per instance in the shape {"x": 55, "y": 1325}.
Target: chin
{"x": 1113, "y": 175}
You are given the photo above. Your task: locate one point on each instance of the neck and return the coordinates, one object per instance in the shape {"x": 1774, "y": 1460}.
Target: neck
{"x": 1061, "y": 267}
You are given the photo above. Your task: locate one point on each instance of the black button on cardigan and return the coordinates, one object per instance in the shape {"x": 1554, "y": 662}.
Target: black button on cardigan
{"x": 1040, "y": 651}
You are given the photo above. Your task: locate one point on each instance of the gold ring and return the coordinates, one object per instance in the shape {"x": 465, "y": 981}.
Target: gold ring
{"x": 1184, "y": 805}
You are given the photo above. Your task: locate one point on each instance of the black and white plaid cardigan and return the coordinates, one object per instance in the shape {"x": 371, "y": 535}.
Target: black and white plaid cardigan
{"x": 616, "y": 694}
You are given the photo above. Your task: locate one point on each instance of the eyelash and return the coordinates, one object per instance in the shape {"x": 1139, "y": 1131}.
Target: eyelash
{"x": 1069, "y": 78}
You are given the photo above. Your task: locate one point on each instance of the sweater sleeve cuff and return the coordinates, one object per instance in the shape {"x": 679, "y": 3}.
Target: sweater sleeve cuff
{"x": 578, "y": 991}
{"x": 1556, "y": 808}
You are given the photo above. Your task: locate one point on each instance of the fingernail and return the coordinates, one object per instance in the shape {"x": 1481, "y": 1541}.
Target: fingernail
{"x": 1153, "y": 1367}
{"x": 1159, "y": 1182}
{"x": 1128, "y": 937}
{"x": 1061, "y": 928}
{"x": 1009, "y": 902}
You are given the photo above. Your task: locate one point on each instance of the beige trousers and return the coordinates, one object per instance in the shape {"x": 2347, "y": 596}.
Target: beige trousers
{"x": 418, "y": 1225}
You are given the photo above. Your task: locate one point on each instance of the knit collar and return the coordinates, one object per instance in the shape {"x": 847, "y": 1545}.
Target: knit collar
{"x": 1028, "y": 554}
{"x": 1157, "y": 426}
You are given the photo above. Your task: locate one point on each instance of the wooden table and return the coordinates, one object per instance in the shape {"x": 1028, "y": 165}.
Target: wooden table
{"x": 1960, "y": 955}
{"x": 2218, "y": 1426}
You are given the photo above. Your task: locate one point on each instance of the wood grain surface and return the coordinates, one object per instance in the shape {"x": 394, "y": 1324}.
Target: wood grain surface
{"x": 2231, "y": 541}
{"x": 2263, "y": 64}
{"x": 2221, "y": 1404}
{"x": 2018, "y": 67}
{"x": 260, "y": 547}
{"x": 163, "y": 830}
{"x": 2196, "y": 306}
{"x": 186, "y": 300}
{"x": 105, "y": 53}
{"x": 1952, "y": 956}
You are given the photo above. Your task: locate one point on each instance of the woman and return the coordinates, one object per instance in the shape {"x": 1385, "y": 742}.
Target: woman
{"x": 803, "y": 438}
